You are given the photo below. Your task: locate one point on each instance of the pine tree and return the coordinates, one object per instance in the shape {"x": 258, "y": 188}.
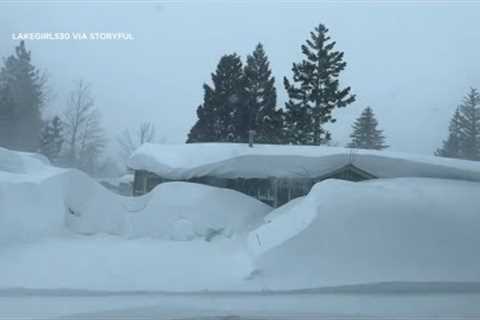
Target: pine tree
{"x": 203, "y": 130}
{"x": 52, "y": 139}
{"x": 365, "y": 134}
{"x": 22, "y": 96}
{"x": 264, "y": 116}
{"x": 315, "y": 91}
{"x": 7, "y": 125}
{"x": 452, "y": 147}
{"x": 470, "y": 125}
{"x": 464, "y": 131}
{"x": 223, "y": 116}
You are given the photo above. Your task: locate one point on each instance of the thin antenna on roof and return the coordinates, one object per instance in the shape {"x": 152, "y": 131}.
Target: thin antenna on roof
{"x": 351, "y": 156}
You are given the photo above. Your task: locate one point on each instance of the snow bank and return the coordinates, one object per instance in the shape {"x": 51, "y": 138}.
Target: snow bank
{"x": 37, "y": 200}
{"x": 405, "y": 229}
{"x": 188, "y": 210}
{"x": 381, "y": 230}
{"x": 61, "y": 229}
{"x": 174, "y": 211}
{"x": 29, "y": 211}
{"x": 231, "y": 160}
{"x": 21, "y": 162}
{"x": 24, "y": 167}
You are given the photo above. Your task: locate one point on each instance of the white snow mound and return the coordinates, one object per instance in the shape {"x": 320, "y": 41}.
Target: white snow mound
{"x": 37, "y": 200}
{"x": 188, "y": 210}
{"x": 61, "y": 229}
{"x": 405, "y": 229}
{"x": 21, "y": 162}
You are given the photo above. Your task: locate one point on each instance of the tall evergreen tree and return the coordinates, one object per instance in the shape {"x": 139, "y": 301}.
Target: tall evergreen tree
{"x": 470, "y": 125}
{"x": 365, "y": 134}
{"x": 52, "y": 139}
{"x": 452, "y": 147}
{"x": 224, "y": 115}
{"x": 22, "y": 96}
{"x": 264, "y": 117}
{"x": 315, "y": 91}
{"x": 464, "y": 131}
{"x": 7, "y": 126}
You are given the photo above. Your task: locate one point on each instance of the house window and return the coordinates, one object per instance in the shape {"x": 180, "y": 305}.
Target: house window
{"x": 152, "y": 182}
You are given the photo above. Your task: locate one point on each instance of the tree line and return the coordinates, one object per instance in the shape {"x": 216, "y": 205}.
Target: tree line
{"x": 73, "y": 138}
{"x": 243, "y": 99}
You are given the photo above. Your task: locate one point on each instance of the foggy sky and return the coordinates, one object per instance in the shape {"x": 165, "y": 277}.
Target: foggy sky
{"x": 411, "y": 62}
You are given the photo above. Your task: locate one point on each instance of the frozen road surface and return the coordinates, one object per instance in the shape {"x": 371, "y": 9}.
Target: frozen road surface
{"x": 237, "y": 307}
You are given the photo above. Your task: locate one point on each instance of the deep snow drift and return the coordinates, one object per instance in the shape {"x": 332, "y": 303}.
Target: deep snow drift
{"x": 172, "y": 211}
{"x": 38, "y": 200}
{"x": 180, "y": 236}
{"x": 342, "y": 232}
{"x": 60, "y": 229}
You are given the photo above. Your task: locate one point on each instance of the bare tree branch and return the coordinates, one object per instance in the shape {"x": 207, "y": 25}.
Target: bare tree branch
{"x": 84, "y": 136}
{"x": 128, "y": 143}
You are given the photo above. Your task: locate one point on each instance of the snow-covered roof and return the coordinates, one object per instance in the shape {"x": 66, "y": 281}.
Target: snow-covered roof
{"x": 233, "y": 160}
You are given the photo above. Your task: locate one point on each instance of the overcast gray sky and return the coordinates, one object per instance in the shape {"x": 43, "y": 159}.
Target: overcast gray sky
{"x": 412, "y": 62}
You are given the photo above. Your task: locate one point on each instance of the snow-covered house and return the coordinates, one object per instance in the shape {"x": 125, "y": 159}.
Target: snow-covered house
{"x": 276, "y": 174}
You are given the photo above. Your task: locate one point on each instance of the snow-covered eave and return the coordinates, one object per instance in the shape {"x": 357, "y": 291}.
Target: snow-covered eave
{"x": 245, "y": 166}
{"x": 182, "y": 162}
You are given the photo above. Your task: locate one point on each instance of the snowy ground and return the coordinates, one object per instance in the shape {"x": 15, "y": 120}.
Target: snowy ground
{"x": 61, "y": 231}
{"x": 236, "y": 307}
{"x": 341, "y": 233}
{"x": 113, "y": 263}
